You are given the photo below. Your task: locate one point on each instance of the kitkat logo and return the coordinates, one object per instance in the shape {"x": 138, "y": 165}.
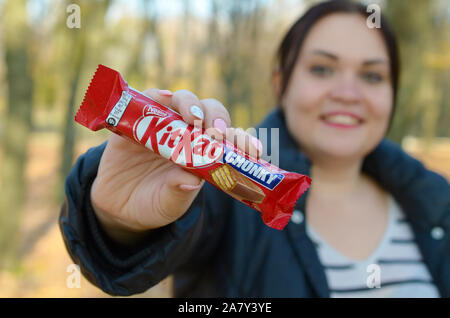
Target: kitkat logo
{"x": 176, "y": 140}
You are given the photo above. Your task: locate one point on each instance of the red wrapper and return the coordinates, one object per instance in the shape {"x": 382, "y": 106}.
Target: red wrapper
{"x": 110, "y": 103}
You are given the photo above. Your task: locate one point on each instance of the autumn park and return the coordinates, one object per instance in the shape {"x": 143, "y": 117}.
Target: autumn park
{"x": 49, "y": 50}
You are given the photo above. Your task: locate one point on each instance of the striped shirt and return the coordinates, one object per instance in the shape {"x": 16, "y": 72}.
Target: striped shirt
{"x": 394, "y": 269}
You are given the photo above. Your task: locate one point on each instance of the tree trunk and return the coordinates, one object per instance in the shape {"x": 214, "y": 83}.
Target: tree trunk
{"x": 16, "y": 123}
{"x": 69, "y": 130}
{"x": 415, "y": 38}
{"x": 91, "y": 13}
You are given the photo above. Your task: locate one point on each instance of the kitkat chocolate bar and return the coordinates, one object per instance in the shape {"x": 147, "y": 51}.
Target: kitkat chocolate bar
{"x": 110, "y": 103}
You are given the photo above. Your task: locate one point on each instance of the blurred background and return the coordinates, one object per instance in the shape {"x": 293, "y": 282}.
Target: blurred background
{"x": 49, "y": 49}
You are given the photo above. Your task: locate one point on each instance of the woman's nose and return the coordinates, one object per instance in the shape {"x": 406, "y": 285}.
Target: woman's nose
{"x": 346, "y": 90}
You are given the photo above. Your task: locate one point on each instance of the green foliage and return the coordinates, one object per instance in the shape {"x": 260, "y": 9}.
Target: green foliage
{"x": 423, "y": 37}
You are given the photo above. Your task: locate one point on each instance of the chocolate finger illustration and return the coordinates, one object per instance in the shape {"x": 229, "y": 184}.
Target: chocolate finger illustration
{"x": 231, "y": 181}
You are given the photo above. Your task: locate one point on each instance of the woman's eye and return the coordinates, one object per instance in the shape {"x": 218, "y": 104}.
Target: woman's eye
{"x": 321, "y": 70}
{"x": 372, "y": 77}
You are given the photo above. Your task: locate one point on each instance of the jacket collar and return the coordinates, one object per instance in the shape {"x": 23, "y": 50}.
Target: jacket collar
{"x": 291, "y": 159}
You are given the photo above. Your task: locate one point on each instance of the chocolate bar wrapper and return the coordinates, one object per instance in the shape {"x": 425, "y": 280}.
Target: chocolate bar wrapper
{"x": 110, "y": 103}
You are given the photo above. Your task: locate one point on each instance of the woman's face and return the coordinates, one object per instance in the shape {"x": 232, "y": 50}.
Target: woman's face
{"x": 339, "y": 98}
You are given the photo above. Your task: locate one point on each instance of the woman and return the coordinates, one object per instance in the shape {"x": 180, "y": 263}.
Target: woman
{"x": 131, "y": 218}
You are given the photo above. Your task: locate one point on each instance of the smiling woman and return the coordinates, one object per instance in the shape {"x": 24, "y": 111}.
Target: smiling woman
{"x": 132, "y": 218}
{"x": 339, "y": 95}
{"x": 336, "y": 85}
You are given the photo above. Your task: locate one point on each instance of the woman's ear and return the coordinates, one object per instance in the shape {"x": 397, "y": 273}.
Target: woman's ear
{"x": 276, "y": 83}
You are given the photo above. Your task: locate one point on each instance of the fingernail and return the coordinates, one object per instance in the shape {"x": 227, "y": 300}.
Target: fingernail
{"x": 220, "y": 124}
{"x": 165, "y": 92}
{"x": 257, "y": 144}
{"x": 197, "y": 112}
{"x": 189, "y": 187}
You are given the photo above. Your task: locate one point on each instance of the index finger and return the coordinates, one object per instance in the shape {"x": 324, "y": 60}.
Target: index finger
{"x": 182, "y": 101}
{"x": 161, "y": 96}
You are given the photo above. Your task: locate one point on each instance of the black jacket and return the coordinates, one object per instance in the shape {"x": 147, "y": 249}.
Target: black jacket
{"x": 220, "y": 247}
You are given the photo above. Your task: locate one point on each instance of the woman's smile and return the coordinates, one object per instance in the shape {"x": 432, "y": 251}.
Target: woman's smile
{"x": 342, "y": 120}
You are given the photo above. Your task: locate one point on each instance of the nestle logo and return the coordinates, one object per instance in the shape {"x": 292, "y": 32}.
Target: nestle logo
{"x": 150, "y": 110}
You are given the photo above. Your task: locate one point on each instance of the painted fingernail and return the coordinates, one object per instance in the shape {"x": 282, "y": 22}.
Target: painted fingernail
{"x": 220, "y": 124}
{"x": 197, "y": 112}
{"x": 165, "y": 92}
{"x": 257, "y": 144}
{"x": 189, "y": 187}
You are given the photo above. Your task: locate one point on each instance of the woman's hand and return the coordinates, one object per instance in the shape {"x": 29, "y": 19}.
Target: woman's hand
{"x": 137, "y": 190}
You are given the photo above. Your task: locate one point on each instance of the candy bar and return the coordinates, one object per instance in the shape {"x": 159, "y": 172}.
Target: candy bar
{"x": 110, "y": 103}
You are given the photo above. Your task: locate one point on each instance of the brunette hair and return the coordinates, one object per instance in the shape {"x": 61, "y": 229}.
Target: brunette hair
{"x": 292, "y": 42}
